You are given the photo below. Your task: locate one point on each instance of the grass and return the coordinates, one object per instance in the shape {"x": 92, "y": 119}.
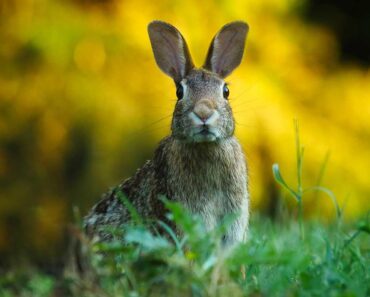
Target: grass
{"x": 277, "y": 262}
{"x": 282, "y": 258}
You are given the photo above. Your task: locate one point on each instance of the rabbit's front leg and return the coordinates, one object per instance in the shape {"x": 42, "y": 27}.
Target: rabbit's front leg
{"x": 237, "y": 232}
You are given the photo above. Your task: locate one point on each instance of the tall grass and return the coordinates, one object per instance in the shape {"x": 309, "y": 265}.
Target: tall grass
{"x": 299, "y": 191}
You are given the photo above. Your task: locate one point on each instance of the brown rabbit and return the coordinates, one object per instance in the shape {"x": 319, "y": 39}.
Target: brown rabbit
{"x": 201, "y": 164}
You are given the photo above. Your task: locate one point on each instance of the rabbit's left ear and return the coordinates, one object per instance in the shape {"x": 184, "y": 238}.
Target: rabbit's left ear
{"x": 226, "y": 50}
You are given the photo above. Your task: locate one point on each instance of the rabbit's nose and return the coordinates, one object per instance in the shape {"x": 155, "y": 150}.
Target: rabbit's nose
{"x": 204, "y": 109}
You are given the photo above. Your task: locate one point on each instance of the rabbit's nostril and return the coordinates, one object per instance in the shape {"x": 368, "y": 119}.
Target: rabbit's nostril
{"x": 204, "y": 109}
{"x": 203, "y": 117}
{"x": 198, "y": 119}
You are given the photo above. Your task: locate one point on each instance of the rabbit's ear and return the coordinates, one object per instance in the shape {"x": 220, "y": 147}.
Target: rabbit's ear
{"x": 226, "y": 50}
{"x": 170, "y": 50}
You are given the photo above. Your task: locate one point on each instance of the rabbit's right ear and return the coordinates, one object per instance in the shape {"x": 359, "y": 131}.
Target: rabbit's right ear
{"x": 170, "y": 50}
{"x": 226, "y": 50}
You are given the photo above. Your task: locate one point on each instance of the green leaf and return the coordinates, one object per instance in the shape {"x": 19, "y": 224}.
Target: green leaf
{"x": 279, "y": 179}
{"x": 146, "y": 239}
{"x": 172, "y": 234}
{"x": 363, "y": 226}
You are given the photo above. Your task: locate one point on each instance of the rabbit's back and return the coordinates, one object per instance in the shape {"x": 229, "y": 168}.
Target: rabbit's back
{"x": 140, "y": 191}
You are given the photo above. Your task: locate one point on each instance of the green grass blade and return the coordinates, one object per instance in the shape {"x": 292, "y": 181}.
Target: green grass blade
{"x": 279, "y": 179}
{"x": 172, "y": 235}
{"x": 131, "y": 208}
{"x": 330, "y": 194}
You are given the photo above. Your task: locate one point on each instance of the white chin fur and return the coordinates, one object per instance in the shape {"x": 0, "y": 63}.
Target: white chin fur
{"x": 204, "y": 138}
{"x": 212, "y": 135}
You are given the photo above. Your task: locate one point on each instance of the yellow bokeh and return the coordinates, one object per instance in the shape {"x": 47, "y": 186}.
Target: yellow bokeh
{"x": 83, "y": 104}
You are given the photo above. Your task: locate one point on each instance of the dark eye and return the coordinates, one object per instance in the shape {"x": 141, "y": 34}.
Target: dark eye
{"x": 226, "y": 91}
{"x": 179, "y": 92}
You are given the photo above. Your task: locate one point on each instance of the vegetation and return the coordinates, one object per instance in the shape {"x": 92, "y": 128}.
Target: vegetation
{"x": 280, "y": 258}
{"x": 276, "y": 261}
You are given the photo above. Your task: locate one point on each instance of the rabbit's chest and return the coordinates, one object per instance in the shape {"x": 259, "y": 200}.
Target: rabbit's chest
{"x": 210, "y": 182}
{"x": 205, "y": 191}
{"x": 211, "y": 206}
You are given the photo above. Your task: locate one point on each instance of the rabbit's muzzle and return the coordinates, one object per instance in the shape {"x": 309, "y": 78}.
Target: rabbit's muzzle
{"x": 204, "y": 109}
{"x": 204, "y": 118}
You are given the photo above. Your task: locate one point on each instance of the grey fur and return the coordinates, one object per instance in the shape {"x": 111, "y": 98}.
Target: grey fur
{"x": 200, "y": 165}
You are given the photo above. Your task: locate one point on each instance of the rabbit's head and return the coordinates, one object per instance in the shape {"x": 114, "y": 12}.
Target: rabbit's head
{"x": 202, "y": 112}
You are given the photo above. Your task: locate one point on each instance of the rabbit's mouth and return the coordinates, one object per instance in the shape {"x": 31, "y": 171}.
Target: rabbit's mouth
{"x": 205, "y": 134}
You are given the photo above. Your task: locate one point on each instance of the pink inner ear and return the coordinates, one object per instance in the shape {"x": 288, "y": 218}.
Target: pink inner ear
{"x": 170, "y": 49}
{"x": 172, "y": 71}
{"x": 174, "y": 54}
{"x": 226, "y": 50}
{"x": 221, "y": 54}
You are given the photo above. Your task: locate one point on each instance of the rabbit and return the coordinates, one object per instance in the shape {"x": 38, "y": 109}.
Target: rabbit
{"x": 201, "y": 164}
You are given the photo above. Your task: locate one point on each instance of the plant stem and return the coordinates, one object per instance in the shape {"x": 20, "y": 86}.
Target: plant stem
{"x": 300, "y": 151}
{"x": 300, "y": 218}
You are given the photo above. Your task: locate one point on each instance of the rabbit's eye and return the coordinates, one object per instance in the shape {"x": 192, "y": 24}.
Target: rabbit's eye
{"x": 179, "y": 92}
{"x": 226, "y": 91}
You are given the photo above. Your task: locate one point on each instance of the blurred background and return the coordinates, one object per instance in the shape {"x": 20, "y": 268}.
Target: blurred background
{"x": 83, "y": 104}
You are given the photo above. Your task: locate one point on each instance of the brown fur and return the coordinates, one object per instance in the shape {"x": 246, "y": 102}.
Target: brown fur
{"x": 201, "y": 164}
